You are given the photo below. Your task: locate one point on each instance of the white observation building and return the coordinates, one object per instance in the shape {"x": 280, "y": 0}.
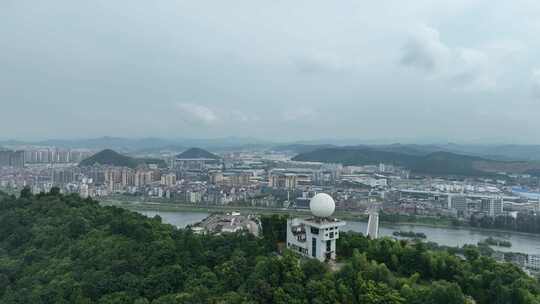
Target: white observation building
{"x": 315, "y": 237}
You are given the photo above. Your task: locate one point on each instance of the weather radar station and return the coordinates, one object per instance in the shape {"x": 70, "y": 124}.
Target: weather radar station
{"x": 315, "y": 237}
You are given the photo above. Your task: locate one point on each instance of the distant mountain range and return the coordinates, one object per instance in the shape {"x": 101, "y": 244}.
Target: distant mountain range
{"x": 502, "y": 152}
{"x": 151, "y": 145}
{"x": 112, "y": 158}
{"x": 494, "y": 152}
{"x": 419, "y": 160}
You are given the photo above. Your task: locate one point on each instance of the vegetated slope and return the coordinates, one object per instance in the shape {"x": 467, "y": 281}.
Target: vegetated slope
{"x": 448, "y": 163}
{"x": 492, "y": 152}
{"x": 444, "y": 163}
{"x": 355, "y": 156}
{"x": 301, "y": 148}
{"x": 195, "y": 153}
{"x": 503, "y": 152}
{"x": 112, "y": 158}
{"x": 411, "y": 149}
{"x": 64, "y": 249}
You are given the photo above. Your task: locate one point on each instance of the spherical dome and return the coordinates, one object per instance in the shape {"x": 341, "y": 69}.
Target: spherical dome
{"x": 322, "y": 205}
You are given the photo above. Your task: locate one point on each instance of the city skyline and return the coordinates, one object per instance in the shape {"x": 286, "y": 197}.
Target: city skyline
{"x": 246, "y": 151}
{"x": 277, "y": 71}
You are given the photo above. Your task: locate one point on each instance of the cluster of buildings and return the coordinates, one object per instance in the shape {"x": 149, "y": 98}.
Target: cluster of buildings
{"x": 265, "y": 179}
{"x": 530, "y": 263}
{"x": 462, "y": 198}
{"x": 490, "y": 206}
{"x": 20, "y": 158}
{"x": 55, "y": 156}
{"x": 13, "y": 159}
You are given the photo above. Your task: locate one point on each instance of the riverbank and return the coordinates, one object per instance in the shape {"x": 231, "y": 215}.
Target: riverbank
{"x": 442, "y": 236}
{"x": 150, "y": 206}
{"x": 344, "y": 215}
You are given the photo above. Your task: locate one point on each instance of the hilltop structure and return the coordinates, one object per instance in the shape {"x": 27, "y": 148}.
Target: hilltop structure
{"x": 315, "y": 237}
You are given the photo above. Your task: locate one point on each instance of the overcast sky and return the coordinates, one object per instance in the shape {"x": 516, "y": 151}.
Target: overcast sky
{"x": 456, "y": 70}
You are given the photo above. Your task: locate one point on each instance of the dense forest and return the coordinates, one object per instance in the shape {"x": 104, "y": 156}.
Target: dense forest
{"x": 63, "y": 249}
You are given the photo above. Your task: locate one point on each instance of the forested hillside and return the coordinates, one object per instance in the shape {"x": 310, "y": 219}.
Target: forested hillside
{"x": 436, "y": 163}
{"x": 112, "y": 158}
{"x": 63, "y": 249}
{"x": 197, "y": 153}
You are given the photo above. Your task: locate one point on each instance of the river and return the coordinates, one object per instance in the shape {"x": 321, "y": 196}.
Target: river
{"x": 521, "y": 242}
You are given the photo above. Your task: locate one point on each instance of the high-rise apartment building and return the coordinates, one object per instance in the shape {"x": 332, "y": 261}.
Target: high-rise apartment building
{"x": 283, "y": 180}
{"x": 492, "y": 206}
{"x": 458, "y": 202}
{"x": 12, "y": 159}
{"x": 168, "y": 180}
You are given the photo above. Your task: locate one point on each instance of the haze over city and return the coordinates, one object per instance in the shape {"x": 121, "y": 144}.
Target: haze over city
{"x": 270, "y": 152}
{"x": 462, "y": 71}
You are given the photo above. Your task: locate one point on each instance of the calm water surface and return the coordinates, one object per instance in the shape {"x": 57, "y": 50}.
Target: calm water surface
{"x": 525, "y": 243}
{"x": 179, "y": 219}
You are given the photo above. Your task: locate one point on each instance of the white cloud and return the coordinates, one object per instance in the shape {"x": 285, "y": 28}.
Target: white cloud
{"x": 197, "y": 113}
{"x": 424, "y": 50}
{"x": 467, "y": 68}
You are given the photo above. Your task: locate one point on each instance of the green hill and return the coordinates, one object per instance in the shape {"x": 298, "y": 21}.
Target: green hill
{"x": 112, "y": 158}
{"x": 195, "y": 153}
{"x": 64, "y": 249}
{"x": 437, "y": 163}
{"x": 301, "y": 148}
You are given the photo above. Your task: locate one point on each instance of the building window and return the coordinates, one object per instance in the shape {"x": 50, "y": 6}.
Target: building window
{"x": 314, "y": 230}
{"x": 314, "y": 247}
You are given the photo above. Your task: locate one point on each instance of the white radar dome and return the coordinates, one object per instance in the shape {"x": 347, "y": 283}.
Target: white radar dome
{"x": 322, "y": 205}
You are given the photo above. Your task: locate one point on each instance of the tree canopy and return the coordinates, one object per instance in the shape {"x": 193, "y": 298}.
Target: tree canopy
{"x": 63, "y": 249}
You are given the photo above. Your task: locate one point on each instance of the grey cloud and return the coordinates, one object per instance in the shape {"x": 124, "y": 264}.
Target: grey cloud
{"x": 266, "y": 69}
{"x": 535, "y": 79}
{"x": 239, "y": 116}
{"x": 195, "y": 113}
{"x": 465, "y": 67}
{"x": 424, "y": 50}
{"x": 322, "y": 63}
{"x": 472, "y": 69}
{"x": 300, "y": 114}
